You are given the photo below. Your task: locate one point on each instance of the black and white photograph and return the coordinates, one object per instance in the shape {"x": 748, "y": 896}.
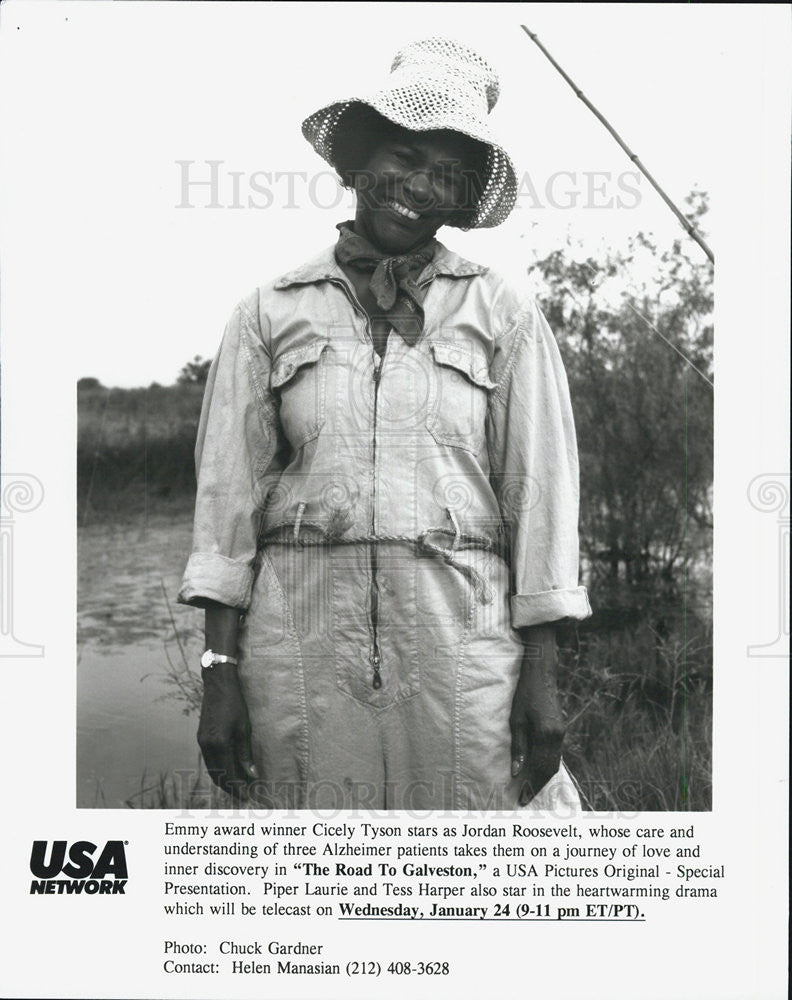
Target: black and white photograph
{"x": 426, "y": 565}
{"x": 393, "y": 517}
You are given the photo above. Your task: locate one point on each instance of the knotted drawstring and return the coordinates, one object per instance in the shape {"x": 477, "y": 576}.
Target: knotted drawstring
{"x": 341, "y": 522}
{"x": 480, "y": 585}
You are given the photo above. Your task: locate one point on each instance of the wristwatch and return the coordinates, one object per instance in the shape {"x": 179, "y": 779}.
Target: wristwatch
{"x": 211, "y": 659}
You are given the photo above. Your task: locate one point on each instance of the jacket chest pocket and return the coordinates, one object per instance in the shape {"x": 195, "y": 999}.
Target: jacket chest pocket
{"x": 299, "y": 380}
{"x": 459, "y": 392}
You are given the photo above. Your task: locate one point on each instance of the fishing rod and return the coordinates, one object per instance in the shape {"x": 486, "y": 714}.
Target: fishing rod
{"x": 686, "y": 223}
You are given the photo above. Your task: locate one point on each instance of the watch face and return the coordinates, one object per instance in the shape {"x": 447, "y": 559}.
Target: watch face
{"x": 207, "y": 659}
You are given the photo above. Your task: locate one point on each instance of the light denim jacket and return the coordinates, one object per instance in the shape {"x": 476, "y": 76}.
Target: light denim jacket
{"x": 465, "y": 439}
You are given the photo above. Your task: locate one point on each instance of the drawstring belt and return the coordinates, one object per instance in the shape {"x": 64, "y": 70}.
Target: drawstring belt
{"x": 479, "y": 583}
{"x": 477, "y": 580}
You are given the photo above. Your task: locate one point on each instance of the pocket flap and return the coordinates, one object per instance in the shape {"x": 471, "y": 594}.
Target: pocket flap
{"x": 471, "y": 364}
{"x": 287, "y": 365}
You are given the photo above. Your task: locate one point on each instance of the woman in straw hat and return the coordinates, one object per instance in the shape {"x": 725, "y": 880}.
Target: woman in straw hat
{"x": 386, "y": 517}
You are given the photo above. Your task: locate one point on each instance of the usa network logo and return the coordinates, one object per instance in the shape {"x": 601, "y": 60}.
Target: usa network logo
{"x": 86, "y": 871}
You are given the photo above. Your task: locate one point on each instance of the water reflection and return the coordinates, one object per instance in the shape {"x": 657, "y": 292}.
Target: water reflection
{"x": 132, "y": 729}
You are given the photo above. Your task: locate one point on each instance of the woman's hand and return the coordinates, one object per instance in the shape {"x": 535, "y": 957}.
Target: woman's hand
{"x": 224, "y": 726}
{"x": 224, "y": 731}
{"x": 537, "y": 725}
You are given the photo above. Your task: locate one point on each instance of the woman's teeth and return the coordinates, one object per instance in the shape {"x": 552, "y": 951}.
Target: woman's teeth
{"x": 402, "y": 210}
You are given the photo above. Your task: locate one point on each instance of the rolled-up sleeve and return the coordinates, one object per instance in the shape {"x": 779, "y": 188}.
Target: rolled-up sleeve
{"x": 534, "y": 472}
{"x": 236, "y": 460}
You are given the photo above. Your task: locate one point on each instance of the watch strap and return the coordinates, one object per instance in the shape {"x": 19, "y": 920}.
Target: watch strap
{"x": 211, "y": 659}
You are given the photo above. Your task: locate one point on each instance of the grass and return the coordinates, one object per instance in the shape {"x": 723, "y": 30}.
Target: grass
{"x": 135, "y": 449}
{"x": 184, "y": 790}
{"x": 639, "y": 711}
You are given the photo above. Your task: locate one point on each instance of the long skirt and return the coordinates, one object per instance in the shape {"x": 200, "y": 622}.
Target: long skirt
{"x": 381, "y": 676}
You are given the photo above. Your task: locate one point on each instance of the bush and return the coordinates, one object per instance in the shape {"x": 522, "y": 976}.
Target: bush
{"x": 135, "y": 448}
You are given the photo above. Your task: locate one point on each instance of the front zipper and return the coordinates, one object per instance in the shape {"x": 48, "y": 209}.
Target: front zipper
{"x": 375, "y": 659}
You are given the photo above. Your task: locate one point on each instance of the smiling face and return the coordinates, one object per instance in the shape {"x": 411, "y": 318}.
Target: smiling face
{"x": 408, "y": 184}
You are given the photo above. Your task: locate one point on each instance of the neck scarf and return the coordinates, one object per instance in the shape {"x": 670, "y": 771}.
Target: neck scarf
{"x": 392, "y": 281}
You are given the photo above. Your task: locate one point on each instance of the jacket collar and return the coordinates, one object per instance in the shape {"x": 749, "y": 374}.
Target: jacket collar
{"x": 324, "y": 267}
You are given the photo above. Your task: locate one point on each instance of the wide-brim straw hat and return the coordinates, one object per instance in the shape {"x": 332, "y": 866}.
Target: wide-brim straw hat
{"x": 435, "y": 83}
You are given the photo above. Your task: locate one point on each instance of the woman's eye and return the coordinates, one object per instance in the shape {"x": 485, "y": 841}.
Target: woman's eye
{"x": 451, "y": 184}
{"x": 448, "y": 176}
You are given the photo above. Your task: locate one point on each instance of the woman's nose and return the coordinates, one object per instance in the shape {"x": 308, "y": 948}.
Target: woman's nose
{"x": 418, "y": 185}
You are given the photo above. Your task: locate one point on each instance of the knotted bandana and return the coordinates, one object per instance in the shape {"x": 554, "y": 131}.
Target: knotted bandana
{"x": 392, "y": 281}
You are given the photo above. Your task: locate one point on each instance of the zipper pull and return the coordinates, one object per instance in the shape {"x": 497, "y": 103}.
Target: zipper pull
{"x": 376, "y": 681}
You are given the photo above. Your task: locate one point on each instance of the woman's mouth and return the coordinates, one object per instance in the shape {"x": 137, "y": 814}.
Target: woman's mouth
{"x": 396, "y": 206}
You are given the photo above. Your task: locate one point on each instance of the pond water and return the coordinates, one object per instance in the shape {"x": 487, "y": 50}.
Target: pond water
{"x": 137, "y": 656}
